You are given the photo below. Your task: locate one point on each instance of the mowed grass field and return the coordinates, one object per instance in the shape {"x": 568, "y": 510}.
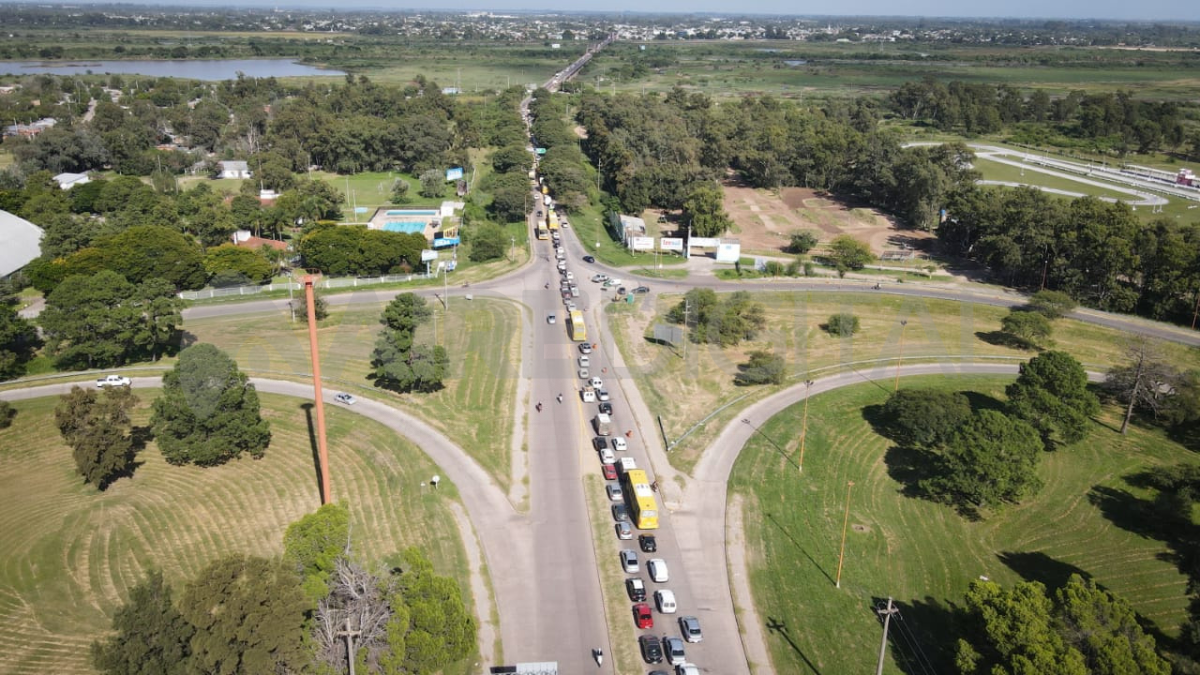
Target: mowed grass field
{"x": 684, "y": 386}
{"x": 992, "y": 170}
{"x": 71, "y": 553}
{"x": 476, "y": 407}
{"x": 924, "y": 554}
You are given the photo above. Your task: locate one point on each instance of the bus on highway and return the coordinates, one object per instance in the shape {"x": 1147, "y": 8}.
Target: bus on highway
{"x": 575, "y": 326}
{"x": 643, "y": 505}
{"x": 552, "y": 219}
{"x": 542, "y": 233}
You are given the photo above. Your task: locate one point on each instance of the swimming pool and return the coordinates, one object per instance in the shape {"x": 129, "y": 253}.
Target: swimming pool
{"x": 405, "y": 226}
{"x": 413, "y": 212}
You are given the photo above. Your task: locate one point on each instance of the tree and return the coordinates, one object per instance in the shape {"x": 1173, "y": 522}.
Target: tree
{"x": 320, "y": 305}
{"x": 363, "y": 601}
{"x": 313, "y": 544}
{"x": 802, "y": 242}
{"x": 433, "y": 184}
{"x": 1105, "y": 629}
{"x": 18, "y": 339}
{"x": 488, "y": 242}
{"x": 236, "y": 264}
{"x": 704, "y": 211}
{"x": 152, "y": 637}
{"x": 924, "y": 418}
{"x": 97, "y": 427}
{"x": 847, "y": 253}
{"x": 153, "y": 251}
{"x": 762, "y": 368}
{"x": 434, "y": 629}
{"x": 400, "y": 364}
{"x": 1052, "y": 395}
{"x": 400, "y": 191}
{"x": 7, "y": 414}
{"x": 724, "y": 321}
{"x": 1012, "y": 631}
{"x": 405, "y": 312}
{"x": 843, "y": 325}
{"x": 1052, "y": 304}
{"x": 249, "y": 614}
{"x": 1144, "y": 382}
{"x": 1027, "y": 329}
{"x": 208, "y": 412}
{"x": 988, "y": 460}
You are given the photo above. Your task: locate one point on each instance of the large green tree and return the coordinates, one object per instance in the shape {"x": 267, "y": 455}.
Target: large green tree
{"x": 400, "y": 364}
{"x": 924, "y": 418}
{"x": 988, "y": 460}
{"x": 847, "y": 253}
{"x": 1027, "y": 329}
{"x": 313, "y": 544}
{"x": 152, "y": 637}
{"x": 208, "y": 412}
{"x": 97, "y": 427}
{"x": 704, "y": 211}
{"x": 1051, "y": 394}
{"x": 723, "y": 320}
{"x": 1104, "y": 628}
{"x": 18, "y": 339}
{"x": 434, "y": 629}
{"x": 249, "y": 614}
{"x": 234, "y": 265}
{"x": 488, "y": 242}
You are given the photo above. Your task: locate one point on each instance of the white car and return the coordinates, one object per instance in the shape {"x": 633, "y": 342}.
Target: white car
{"x": 585, "y": 348}
{"x": 550, "y": 318}
{"x": 343, "y": 397}
{"x": 657, "y": 567}
{"x": 620, "y": 445}
{"x": 570, "y": 276}
{"x": 596, "y": 382}
{"x": 601, "y": 394}
{"x": 607, "y": 456}
{"x": 113, "y": 381}
{"x": 585, "y": 361}
{"x": 666, "y": 601}
{"x": 583, "y": 373}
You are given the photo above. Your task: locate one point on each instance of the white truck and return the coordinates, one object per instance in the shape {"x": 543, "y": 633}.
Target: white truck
{"x": 113, "y": 381}
{"x": 603, "y": 425}
{"x": 588, "y": 393}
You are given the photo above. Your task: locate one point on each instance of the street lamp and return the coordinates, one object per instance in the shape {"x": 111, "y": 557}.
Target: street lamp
{"x": 804, "y": 424}
{"x": 845, "y": 526}
{"x": 900, "y": 358}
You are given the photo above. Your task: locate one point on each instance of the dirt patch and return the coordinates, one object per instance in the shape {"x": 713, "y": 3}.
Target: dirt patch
{"x": 860, "y": 528}
{"x": 764, "y": 220}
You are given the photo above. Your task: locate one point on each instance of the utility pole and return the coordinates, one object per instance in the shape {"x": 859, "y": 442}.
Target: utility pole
{"x": 349, "y": 635}
{"x": 887, "y": 620}
{"x": 900, "y": 359}
{"x": 804, "y": 424}
{"x": 845, "y": 526}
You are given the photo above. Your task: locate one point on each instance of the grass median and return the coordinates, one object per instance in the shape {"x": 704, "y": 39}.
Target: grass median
{"x": 924, "y": 554}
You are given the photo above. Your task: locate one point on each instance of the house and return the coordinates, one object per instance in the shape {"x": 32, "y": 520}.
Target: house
{"x": 234, "y": 169}
{"x": 627, "y": 227}
{"x": 246, "y": 239}
{"x": 20, "y": 243}
{"x": 67, "y": 181}
{"x": 30, "y": 130}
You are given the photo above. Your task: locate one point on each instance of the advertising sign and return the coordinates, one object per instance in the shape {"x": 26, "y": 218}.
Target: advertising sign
{"x": 428, "y": 255}
{"x": 670, "y": 244}
{"x": 454, "y": 173}
{"x": 361, "y": 209}
{"x": 728, "y": 253}
{"x": 641, "y": 243}
{"x": 703, "y": 242}
{"x": 444, "y": 242}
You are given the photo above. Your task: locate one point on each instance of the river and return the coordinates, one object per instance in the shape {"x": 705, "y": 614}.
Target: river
{"x": 208, "y": 69}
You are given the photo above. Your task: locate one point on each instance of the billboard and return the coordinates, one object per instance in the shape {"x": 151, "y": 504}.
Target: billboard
{"x": 670, "y": 244}
{"x": 443, "y": 242}
{"x": 428, "y": 255}
{"x": 454, "y": 173}
{"x": 703, "y": 242}
{"x": 641, "y": 243}
{"x": 728, "y": 253}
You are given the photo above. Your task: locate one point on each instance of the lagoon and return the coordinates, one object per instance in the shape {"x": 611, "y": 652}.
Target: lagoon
{"x": 195, "y": 69}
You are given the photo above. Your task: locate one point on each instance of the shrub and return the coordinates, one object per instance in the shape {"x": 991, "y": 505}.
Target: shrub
{"x": 7, "y": 413}
{"x": 762, "y": 368}
{"x": 774, "y": 268}
{"x": 1052, "y": 304}
{"x": 802, "y": 241}
{"x": 843, "y": 324}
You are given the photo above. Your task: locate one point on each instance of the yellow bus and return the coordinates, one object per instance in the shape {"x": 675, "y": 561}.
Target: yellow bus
{"x": 643, "y": 505}
{"x": 542, "y": 233}
{"x": 552, "y": 220}
{"x": 575, "y": 326}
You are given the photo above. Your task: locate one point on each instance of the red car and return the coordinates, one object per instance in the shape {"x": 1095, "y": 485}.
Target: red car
{"x": 610, "y": 471}
{"x": 642, "y": 616}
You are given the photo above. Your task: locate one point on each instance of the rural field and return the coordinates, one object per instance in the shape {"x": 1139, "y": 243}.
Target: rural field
{"x": 71, "y": 553}
{"x": 474, "y": 410}
{"x": 684, "y": 390}
{"x": 924, "y": 554}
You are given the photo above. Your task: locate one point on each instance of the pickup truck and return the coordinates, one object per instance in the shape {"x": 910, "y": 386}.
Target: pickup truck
{"x": 113, "y": 381}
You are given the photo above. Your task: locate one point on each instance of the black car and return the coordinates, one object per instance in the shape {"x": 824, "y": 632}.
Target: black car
{"x": 606, "y": 408}
{"x": 599, "y": 443}
{"x": 636, "y": 589}
{"x": 588, "y": 259}
{"x": 642, "y": 289}
{"x": 648, "y": 543}
{"x": 651, "y": 649}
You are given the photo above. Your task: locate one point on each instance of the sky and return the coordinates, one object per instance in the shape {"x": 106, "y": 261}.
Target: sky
{"x": 1145, "y": 10}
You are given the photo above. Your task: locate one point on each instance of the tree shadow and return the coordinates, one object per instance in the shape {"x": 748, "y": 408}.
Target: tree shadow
{"x": 185, "y": 339}
{"x": 922, "y": 634}
{"x": 980, "y": 402}
{"x": 873, "y": 415}
{"x": 777, "y": 626}
{"x": 312, "y": 441}
{"x": 909, "y": 467}
{"x": 999, "y": 338}
{"x": 1037, "y": 566}
{"x": 1132, "y": 514}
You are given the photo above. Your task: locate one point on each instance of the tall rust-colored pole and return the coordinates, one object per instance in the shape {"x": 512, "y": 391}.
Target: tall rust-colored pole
{"x": 322, "y": 447}
{"x": 845, "y": 528}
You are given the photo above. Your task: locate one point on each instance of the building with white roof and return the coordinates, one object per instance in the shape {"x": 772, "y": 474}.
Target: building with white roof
{"x": 20, "y": 243}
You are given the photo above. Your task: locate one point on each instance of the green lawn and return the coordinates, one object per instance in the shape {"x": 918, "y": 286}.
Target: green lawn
{"x": 683, "y": 390}
{"x": 1005, "y": 172}
{"x": 71, "y": 553}
{"x": 921, "y": 553}
{"x": 475, "y": 409}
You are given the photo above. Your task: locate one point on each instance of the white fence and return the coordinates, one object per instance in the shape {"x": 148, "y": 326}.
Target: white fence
{"x": 324, "y": 282}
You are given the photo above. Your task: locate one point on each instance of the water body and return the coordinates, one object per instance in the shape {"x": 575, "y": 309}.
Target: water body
{"x": 209, "y": 69}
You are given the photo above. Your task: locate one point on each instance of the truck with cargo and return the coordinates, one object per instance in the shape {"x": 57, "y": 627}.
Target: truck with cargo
{"x": 588, "y": 393}
{"x": 603, "y": 425}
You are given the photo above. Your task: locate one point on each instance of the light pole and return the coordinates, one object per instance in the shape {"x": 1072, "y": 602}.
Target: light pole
{"x": 804, "y": 424}
{"x": 845, "y": 526}
{"x": 512, "y": 253}
{"x": 899, "y": 359}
